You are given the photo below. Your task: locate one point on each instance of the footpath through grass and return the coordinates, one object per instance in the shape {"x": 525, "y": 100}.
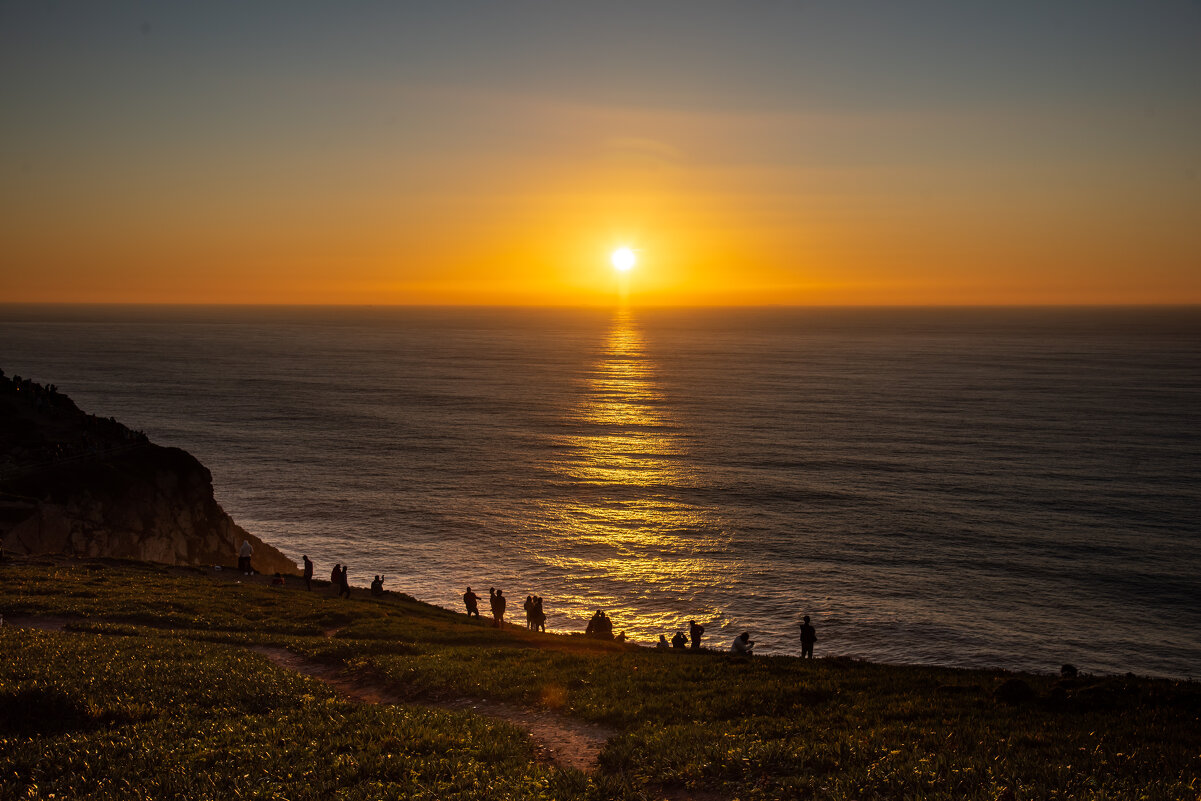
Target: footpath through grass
{"x": 149, "y": 695}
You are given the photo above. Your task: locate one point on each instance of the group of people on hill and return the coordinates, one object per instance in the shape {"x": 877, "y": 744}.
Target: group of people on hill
{"x": 535, "y": 618}
{"x": 498, "y": 602}
{"x": 599, "y": 626}
{"x": 338, "y": 580}
{"x": 695, "y": 630}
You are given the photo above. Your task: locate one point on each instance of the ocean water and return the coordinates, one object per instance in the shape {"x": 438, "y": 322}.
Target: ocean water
{"x": 1009, "y": 488}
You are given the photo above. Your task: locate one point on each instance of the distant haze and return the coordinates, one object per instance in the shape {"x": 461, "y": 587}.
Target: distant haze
{"x": 496, "y": 153}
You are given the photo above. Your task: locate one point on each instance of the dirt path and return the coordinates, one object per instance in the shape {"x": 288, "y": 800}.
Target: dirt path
{"x": 557, "y": 739}
{"x": 565, "y": 742}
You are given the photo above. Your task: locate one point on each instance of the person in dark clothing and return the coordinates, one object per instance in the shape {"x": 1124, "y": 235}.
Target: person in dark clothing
{"x": 501, "y": 603}
{"x": 600, "y": 626}
{"x": 808, "y": 637}
{"x": 695, "y": 630}
{"x": 528, "y": 606}
{"x": 471, "y": 601}
{"x": 308, "y": 572}
{"x": 377, "y": 586}
{"x": 539, "y": 615}
{"x": 335, "y": 578}
{"x": 679, "y": 641}
{"x": 344, "y": 584}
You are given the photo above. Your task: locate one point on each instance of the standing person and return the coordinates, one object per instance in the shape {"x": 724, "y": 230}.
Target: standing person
{"x": 539, "y": 615}
{"x": 528, "y": 606}
{"x": 308, "y": 572}
{"x": 501, "y": 603}
{"x": 695, "y": 630}
{"x": 244, "y": 557}
{"x": 335, "y": 578}
{"x": 345, "y": 584}
{"x": 471, "y": 601}
{"x": 808, "y": 637}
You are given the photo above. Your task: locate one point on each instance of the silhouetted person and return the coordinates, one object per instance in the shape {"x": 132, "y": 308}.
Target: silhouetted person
{"x": 471, "y": 601}
{"x": 344, "y": 588}
{"x": 278, "y": 580}
{"x": 528, "y": 606}
{"x": 244, "y": 557}
{"x": 539, "y": 615}
{"x": 600, "y": 626}
{"x": 308, "y": 572}
{"x": 663, "y": 642}
{"x": 335, "y": 578}
{"x": 679, "y": 641}
{"x": 695, "y": 630}
{"x": 499, "y": 602}
{"x": 808, "y": 637}
{"x": 743, "y": 644}
{"x": 377, "y": 586}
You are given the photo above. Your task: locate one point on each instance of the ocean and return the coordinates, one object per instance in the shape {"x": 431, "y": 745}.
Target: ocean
{"x": 1014, "y": 488}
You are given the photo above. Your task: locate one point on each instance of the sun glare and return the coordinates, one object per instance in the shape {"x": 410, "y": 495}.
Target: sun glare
{"x": 623, "y": 259}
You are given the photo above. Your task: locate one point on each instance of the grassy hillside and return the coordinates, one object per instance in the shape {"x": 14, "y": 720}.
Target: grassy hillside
{"x": 150, "y": 692}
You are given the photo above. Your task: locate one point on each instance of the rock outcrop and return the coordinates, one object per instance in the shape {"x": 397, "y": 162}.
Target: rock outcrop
{"x": 73, "y": 483}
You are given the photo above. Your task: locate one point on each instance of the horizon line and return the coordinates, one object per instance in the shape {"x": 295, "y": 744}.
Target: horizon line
{"x": 583, "y": 306}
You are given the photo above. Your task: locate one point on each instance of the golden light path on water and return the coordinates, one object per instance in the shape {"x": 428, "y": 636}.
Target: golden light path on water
{"x": 638, "y": 544}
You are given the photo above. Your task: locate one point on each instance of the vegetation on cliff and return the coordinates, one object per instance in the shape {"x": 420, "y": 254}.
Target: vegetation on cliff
{"x": 151, "y": 692}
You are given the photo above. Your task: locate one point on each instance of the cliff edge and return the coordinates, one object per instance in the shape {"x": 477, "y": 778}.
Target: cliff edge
{"x": 74, "y": 483}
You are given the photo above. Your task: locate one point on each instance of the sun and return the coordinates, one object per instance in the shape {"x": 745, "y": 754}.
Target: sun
{"x": 623, "y": 259}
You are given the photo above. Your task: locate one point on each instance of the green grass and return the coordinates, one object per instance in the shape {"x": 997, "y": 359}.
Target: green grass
{"x": 150, "y": 696}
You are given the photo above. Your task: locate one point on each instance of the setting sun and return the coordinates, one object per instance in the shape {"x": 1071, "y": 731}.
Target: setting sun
{"x": 624, "y": 259}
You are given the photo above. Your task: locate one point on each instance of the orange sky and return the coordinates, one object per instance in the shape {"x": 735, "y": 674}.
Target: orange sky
{"x": 841, "y": 180}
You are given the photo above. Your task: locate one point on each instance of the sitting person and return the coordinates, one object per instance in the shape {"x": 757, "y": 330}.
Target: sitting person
{"x": 377, "y": 586}
{"x": 743, "y": 644}
{"x": 679, "y": 641}
{"x": 600, "y": 626}
{"x": 663, "y": 642}
{"x": 278, "y": 581}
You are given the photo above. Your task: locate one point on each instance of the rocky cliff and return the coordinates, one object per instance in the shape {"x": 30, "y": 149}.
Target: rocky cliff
{"x": 74, "y": 483}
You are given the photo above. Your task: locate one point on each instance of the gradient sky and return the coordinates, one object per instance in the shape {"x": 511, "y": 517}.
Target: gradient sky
{"x": 455, "y": 152}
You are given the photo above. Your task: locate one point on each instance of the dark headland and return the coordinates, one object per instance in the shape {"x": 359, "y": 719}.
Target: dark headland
{"x": 75, "y": 483}
{"x": 131, "y": 669}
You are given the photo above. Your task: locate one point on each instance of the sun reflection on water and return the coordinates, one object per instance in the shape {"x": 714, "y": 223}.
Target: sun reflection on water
{"x": 631, "y": 539}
